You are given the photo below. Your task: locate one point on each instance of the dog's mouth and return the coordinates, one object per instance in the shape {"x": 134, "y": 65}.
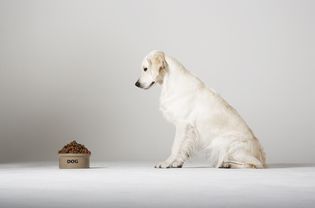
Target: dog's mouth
{"x": 138, "y": 84}
{"x": 152, "y": 83}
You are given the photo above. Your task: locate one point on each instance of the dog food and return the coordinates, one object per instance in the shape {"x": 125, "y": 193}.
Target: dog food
{"x": 74, "y": 148}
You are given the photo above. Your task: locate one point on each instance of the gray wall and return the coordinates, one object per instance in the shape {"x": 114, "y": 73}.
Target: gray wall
{"x": 67, "y": 70}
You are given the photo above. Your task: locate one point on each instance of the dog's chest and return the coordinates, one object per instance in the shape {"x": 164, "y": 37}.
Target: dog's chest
{"x": 167, "y": 113}
{"x": 175, "y": 108}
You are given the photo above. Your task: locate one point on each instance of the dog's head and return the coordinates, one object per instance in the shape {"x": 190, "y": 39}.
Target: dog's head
{"x": 152, "y": 70}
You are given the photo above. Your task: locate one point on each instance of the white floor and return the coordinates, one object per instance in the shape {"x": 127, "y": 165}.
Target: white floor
{"x": 139, "y": 185}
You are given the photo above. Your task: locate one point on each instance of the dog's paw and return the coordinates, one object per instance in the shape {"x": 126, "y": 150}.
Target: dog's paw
{"x": 177, "y": 164}
{"x": 225, "y": 165}
{"x": 163, "y": 164}
{"x": 167, "y": 164}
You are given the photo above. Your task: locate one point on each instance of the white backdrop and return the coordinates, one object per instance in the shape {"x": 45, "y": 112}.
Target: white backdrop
{"x": 67, "y": 70}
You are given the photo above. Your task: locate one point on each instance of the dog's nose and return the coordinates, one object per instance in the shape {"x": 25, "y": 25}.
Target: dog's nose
{"x": 137, "y": 83}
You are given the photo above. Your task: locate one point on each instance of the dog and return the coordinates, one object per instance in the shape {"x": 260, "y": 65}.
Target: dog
{"x": 203, "y": 119}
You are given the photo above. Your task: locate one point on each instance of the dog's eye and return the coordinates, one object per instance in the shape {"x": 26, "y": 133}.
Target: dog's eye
{"x": 145, "y": 69}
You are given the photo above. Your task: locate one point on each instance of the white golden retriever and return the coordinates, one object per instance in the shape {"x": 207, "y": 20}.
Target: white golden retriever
{"x": 203, "y": 119}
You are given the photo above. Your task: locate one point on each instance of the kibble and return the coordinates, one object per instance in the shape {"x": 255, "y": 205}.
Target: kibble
{"x": 74, "y": 148}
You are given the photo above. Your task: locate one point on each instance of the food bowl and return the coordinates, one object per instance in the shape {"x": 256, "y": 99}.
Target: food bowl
{"x": 74, "y": 155}
{"x": 68, "y": 161}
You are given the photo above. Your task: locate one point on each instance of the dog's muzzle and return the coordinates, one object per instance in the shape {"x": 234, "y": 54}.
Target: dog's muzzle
{"x": 138, "y": 84}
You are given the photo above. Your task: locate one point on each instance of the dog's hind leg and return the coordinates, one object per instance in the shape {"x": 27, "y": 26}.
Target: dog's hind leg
{"x": 244, "y": 160}
{"x": 183, "y": 147}
{"x": 232, "y": 152}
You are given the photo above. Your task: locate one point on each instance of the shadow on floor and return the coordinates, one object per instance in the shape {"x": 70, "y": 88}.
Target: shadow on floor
{"x": 270, "y": 166}
{"x": 197, "y": 167}
{"x": 98, "y": 167}
{"x": 290, "y": 165}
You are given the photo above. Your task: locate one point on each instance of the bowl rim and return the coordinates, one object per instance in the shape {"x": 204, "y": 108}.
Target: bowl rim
{"x": 73, "y": 155}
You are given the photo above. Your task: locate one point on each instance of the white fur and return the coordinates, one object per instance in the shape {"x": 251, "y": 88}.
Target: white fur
{"x": 203, "y": 119}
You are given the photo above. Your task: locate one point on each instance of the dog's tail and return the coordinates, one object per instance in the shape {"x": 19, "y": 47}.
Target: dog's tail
{"x": 262, "y": 157}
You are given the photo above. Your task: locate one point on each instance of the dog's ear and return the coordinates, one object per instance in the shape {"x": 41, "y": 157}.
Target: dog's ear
{"x": 149, "y": 61}
{"x": 159, "y": 59}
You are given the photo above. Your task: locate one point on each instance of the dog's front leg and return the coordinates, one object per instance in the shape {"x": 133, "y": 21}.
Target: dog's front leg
{"x": 178, "y": 153}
